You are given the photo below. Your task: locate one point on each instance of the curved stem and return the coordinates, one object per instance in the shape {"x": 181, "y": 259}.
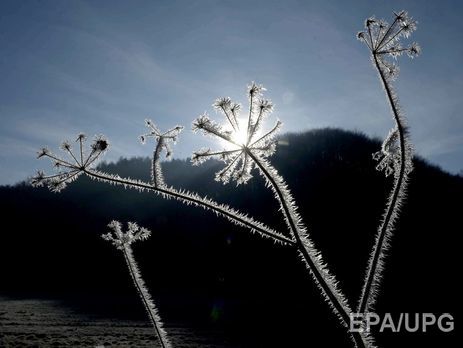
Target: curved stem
{"x": 375, "y": 263}
{"x": 333, "y": 295}
{"x": 192, "y": 198}
{"x": 156, "y": 174}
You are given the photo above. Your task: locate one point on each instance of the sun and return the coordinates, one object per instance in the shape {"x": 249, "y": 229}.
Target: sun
{"x": 239, "y": 136}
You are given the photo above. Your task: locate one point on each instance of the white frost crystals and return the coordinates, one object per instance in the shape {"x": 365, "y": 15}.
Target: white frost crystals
{"x": 122, "y": 241}
{"x": 245, "y": 147}
{"x": 241, "y": 137}
{"x": 383, "y": 40}
{"x": 72, "y": 165}
{"x": 71, "y": 171}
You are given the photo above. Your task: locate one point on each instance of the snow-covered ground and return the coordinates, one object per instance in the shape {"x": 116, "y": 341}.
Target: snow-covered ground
{"x": 47, "y": 323}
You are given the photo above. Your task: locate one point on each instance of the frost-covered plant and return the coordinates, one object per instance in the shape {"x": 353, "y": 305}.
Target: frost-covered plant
{"x": 395, "y": 157}
{"x": 163, "y": 140}
{"x": 72, "y": 165}
{"x": 123, "y": 241}
{"x": 242, "y": 137}
{"x": 246, "y": 148}
{"x": 70, "y": 169}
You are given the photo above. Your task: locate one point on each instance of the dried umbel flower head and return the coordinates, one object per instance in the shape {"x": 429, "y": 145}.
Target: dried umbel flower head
{"x": 163, "y": 142}
{"x": 383, "y": 39}
{"x": 100, "y": 144}
{"x": 70, "y": 166}
{"x": 242, "y": 137}
{"x": 169, "y": 136}
{"x": 121, "y": 239}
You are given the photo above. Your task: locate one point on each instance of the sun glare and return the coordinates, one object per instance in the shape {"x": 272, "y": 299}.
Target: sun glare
{"x": 239, "y": 136}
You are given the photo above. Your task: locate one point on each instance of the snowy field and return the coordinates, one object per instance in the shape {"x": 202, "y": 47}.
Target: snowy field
{"x": 46, "y": 323}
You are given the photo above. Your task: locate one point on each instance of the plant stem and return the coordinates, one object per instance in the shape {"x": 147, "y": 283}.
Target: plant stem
{"x": 375, "y": 263}
{"x": 143, "y": 292}
{"x": 333, "y": 295}
{"x": 192, "y": 198}
{"x": 156, "y": 175}
{"x": 81, "y": 152}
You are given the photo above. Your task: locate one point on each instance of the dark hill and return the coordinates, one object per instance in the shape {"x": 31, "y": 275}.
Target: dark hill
{"x": 202, "y": 269}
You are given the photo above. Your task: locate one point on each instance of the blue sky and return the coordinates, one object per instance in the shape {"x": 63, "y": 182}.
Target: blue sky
{"x": 104, "y": 66}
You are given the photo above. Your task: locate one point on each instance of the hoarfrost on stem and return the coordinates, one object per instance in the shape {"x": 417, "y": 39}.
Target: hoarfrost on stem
{"x": 163, "y": 143}
{"x": 396, "y": 155}
{"x": 123, "y": 241}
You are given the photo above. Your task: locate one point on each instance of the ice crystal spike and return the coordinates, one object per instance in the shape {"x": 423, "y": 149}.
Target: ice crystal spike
{"x": 396, "y": 154}
{"x": 241, "y": 137}
{"x": 71, "y": 165}
{"x": 122, "y": 241}
{"x": 163, "y": 143}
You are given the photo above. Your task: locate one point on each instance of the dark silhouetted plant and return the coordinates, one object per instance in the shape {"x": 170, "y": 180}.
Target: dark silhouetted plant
{"x": 246, "y": 148}
{"x": 396, "y": 154}
{"x": 70, "y": 168}
{"x": 123, "y": 241}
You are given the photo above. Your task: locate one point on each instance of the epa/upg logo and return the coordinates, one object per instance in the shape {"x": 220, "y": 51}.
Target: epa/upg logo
{"x": 406, "y": 322}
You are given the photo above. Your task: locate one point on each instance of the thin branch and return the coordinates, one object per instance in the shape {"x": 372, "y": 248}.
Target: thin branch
{"x": 375, "y": 264}
{"x": 81, "y": 152}
{"x": 145, "y": 297}
{"x": 193, "y": 198}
